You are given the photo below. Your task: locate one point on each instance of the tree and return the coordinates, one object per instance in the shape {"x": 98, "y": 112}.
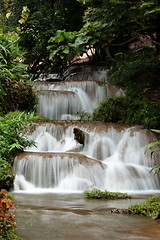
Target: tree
{"x": 110, "y": 27}
{"x": 45, "y": 18}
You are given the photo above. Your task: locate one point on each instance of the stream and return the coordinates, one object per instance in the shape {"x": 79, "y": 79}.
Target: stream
{"x": 57, "y": 216}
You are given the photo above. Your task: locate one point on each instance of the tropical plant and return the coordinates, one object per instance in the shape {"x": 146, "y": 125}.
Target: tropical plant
{"x": 5, "y": 11}
{"x": 15, "y": 89}
{"x": 149, "y": 208}
{"x": 128, "y": 110}
{"x": 12, "y": 141}
{"x": 156, "y": 145}
{"x": 7, "y": 218}
{"x": 98, "y": 194}
{"x": 45, "y": 18}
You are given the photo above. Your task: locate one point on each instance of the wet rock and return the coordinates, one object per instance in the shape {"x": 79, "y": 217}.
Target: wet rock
{"x": 79, "y": 135}
{"x": 157, "y": 218}
{"x": 119, "y": 211}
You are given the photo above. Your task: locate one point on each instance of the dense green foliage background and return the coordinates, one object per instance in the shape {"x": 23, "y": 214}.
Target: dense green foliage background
{"x": 15, "y": 89}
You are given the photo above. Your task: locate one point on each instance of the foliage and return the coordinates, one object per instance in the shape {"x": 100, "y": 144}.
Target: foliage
{"x": 7, "y": 219}
{"x": 110, "y": 27}
{"x": 149, "y": 208}
{"x": 83, "y": 116}
{"x": 136, "y": 72}
{"x": 6, "y": 174}
{"x": 156, "y": 144}
{"x": 98, "y": 194}
{"x": 129, "y": 111}
{"x": 15, "y": 89}
{"x": 12, "y": 141}
{"x": 5, "y": 11}
{"x": 45, "y": 18}
{"x": 67, "y": 13}
{"x": 61, "y": 45}
{"x": 67, "y": 45}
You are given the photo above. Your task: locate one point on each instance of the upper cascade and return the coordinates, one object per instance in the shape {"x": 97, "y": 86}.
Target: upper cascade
{"x": 77, "y": 92}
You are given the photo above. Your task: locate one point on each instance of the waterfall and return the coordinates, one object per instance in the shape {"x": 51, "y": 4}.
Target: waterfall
{"x": 51, "y": 170}
{"x": 111, "y": 156}
{"x": 71, "y": 97}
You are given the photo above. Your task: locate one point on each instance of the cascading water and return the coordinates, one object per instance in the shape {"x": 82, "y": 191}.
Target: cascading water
{"x": 109, "y": 156}
{"x": 109, "y": 159}
{"x": 69, "y": 98}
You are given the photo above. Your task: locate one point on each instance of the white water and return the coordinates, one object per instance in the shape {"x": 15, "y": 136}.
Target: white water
{"x": 52, "y": 166}
{"x": 63, "y": 100}
{"x": 111, "y": 158}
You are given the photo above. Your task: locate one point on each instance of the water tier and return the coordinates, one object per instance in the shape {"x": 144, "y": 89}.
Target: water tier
{"x": 110, "y": 157}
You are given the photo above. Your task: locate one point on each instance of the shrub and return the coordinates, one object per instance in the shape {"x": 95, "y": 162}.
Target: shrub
{"x": 136, "y": 71}
{"x": 12, "y": 141}
{"x": 98, "y": 194}
{"x": 151, "y": 207}
{"x": 129, "y": 111}
{"x": 138, "y": 74}
{"x": 7, "y": 219}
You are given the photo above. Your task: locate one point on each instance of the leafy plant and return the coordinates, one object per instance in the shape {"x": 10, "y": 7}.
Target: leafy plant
{"x": 149, "y": 208}
{"x": 156, "y": 144}
{"x": 128, "y": 110}
{"x": 7, "y": 219}
{"x": 45, "y": 18}
{"x": 83, "y": 116}
{"x": 12, "y": 141}
{"x": 15, "y": 90}
{"x": 136, "y": 72}
{"x": 98, "y": 194}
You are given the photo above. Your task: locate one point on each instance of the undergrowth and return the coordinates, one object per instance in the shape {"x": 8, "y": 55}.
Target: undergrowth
{"x": 7, "y": 218}
{"x": 149, "y": 208}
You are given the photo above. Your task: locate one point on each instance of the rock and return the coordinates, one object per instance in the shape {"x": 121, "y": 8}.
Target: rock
{"x": 157, "y": 217}
{"x": 79, "y": 135}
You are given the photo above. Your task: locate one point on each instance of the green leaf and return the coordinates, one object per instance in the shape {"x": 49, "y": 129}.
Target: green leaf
{"x": 155, "y": 130}
{"x": 150, "y": 145}
{"x": 66, "y": 50}
{"x": 146, "y": 4}
{"x": 155, "y": 10}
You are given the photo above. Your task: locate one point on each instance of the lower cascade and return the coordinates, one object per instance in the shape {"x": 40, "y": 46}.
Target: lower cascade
{"x": 110, "y": 157}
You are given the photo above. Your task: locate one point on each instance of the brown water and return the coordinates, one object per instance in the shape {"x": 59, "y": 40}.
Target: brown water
{"x": 54, "y": 216}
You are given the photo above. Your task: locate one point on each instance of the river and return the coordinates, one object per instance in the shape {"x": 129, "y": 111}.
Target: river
{"x": 57, "y": 216}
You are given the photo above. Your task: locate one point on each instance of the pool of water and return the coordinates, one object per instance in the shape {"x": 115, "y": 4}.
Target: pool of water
{"x": 55, "y": 216}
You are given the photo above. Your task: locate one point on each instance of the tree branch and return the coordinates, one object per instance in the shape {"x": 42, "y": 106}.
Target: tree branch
{"x": 130, "y": 40}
